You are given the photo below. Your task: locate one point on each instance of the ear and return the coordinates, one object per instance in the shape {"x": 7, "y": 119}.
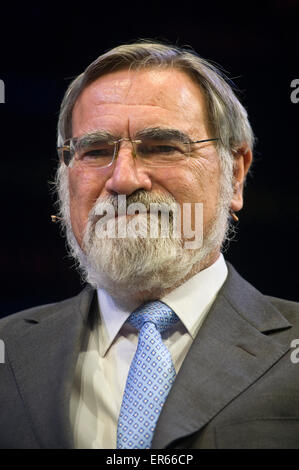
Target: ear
{"x": 242, "y": 162}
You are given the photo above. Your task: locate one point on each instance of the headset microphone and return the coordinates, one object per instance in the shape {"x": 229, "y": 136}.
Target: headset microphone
{"x": 55, "y": 218}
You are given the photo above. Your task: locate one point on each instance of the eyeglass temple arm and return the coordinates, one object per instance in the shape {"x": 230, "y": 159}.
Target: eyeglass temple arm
{"x": 65, "y": 146}
{"x": 205, "y": 140}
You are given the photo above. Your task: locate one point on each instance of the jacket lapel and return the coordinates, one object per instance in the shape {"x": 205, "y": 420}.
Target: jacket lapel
{"x": 44, "y": 364}
{"x": 230, "y": 352}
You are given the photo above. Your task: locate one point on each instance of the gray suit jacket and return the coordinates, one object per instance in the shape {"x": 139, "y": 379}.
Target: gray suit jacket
{"x": 237, "y": 387}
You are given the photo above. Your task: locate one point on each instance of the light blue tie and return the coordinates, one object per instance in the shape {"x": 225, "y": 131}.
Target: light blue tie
{"x": 150, "y": 377}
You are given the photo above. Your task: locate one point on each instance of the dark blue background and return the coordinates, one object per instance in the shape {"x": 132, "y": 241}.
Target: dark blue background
{"x": 43, "y": 46}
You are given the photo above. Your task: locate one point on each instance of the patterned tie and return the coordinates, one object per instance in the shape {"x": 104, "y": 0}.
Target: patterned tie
{"x": 150, "y": 377}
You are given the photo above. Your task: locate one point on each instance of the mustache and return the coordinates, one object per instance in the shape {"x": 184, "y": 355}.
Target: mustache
{"x": 140, "y": 196}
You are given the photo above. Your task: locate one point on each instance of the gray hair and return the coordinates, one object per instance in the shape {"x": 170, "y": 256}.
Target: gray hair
{"x": 227, "y": 117}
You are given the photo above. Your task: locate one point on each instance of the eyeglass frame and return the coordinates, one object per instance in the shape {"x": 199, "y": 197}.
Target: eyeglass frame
{"x": 66, "y": 146}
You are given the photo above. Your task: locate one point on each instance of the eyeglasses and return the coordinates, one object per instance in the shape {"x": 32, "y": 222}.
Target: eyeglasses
{"x": 96, "y": 151}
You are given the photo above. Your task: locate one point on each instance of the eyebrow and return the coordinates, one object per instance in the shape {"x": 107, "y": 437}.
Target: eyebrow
{"x": 92, "y": 137}
{"x": 161, "y": 133}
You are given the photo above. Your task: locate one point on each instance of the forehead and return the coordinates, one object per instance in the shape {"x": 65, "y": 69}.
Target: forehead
{"x": 126, "y": 101}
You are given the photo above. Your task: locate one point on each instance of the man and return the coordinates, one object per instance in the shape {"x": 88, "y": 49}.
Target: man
{"x": 148, "y": 124}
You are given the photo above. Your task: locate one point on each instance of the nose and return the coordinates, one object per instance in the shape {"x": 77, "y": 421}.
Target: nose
{"x": 127, "y": 175}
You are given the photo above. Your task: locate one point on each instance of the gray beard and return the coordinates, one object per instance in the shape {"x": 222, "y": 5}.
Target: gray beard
{"x": 128, "y": 267}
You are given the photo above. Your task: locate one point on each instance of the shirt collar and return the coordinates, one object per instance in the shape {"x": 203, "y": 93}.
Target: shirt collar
{"x": 191, "y": 302}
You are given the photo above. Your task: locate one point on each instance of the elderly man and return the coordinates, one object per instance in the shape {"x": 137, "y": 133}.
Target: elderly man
{"x": 167, "y": 346}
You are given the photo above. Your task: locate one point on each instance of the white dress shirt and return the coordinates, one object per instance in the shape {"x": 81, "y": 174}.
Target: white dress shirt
{"x": 102, "y": 369}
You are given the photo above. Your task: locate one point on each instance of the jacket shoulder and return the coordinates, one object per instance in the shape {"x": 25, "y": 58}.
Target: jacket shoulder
{"x": 15, "y": 321}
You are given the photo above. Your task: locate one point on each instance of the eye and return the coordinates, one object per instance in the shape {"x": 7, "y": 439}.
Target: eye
{"x": 158, "y": 149}
{"x": 97, "y": 151}
{"x": 166, "y": 149}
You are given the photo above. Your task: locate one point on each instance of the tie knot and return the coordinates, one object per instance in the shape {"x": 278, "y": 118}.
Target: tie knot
{"x": 156, "y": 312}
